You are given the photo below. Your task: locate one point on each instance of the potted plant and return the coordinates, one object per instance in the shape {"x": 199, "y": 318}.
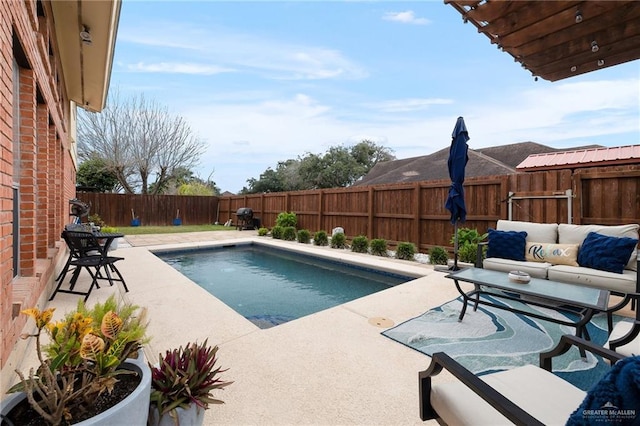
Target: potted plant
{"x": 85, "y": 368}
{"x": 182, "y": 385}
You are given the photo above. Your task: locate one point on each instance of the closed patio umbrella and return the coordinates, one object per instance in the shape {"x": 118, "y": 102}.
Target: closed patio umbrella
{"x": 457, "y": 162}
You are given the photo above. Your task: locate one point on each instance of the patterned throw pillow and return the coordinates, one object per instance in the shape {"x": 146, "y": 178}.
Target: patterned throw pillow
{"x": 606, "y": 253}
{"x": 507, "y": 244}
{"x": 556, "y": 254}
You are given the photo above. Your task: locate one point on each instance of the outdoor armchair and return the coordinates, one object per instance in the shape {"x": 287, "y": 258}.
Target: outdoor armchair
{"x": 527, "y": 395}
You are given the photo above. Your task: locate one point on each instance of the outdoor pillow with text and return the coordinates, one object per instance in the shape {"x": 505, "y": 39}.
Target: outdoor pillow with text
{"x": 556, "y": 254}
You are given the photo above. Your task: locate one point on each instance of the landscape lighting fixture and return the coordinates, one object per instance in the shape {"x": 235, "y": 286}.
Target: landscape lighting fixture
{"x": 594, "y": 46}
{"x": 600, "y": 62}
{"x": 85, "y": 35}
{"x": 578, "y": 16}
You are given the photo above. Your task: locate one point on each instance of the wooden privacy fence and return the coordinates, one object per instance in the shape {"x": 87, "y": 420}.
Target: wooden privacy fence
{"x": 415, "y": 212}
{"x": 152, "y": 210}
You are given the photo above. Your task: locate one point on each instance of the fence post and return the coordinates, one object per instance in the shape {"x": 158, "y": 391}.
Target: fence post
{"x": 416, "y": 213}
{"x": 371, "y": 212}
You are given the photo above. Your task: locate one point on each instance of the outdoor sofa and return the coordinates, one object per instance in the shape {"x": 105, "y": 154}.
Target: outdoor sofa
{"x": 599, "y": 256}
{"x": 527, "y": 395}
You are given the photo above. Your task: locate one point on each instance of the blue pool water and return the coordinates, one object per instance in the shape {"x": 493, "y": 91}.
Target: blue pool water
{"x": 270, "y": 286}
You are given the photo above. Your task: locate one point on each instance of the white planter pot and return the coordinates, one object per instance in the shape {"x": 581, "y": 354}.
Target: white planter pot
{"x": 113, "y": 245}
{"x": 133, "y": 410}
{"x": 193, "y": 416}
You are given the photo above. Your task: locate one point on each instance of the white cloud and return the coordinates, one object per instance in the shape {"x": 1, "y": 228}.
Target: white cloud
{"x": 245, "y": 52}
{"x": 407, "y": 105}
{"x": 177, "y": 68}
{"x": 406, "y": 17}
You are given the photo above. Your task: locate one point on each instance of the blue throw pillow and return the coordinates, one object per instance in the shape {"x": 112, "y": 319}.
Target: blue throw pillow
{"x": 606, "y": 253}
{"x": 507, "y": 244}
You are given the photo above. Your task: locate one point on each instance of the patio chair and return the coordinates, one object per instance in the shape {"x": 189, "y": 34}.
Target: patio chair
{"x": 75, "y": 254}
{"x": 624, "y": 337}
{"x": 86, "y": 252}
{"x": 527, "y": 395}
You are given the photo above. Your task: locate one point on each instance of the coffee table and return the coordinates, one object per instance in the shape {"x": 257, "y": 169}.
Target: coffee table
{"x": 583, "y": 302}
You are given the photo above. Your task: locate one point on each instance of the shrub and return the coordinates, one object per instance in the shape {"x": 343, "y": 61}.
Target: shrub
{"x": 285, "y": 219}
{"x": 276, "y": 232}
{"x": 469, "y": 252}
{"x": 320, "y": 238}
{"x": 360, "y": 244}
{"x": 405, "y": 251}
{"x": 262, "y": 232}
{"x": 438, "y": 256}
{"x": 468, "y": 235}
{"x": 339, "y": 241}
{"x": 289, "y": 233}
{"x": 468, "y": 240}
{"x": 304, "y": 236}
{"x": 378, "y": 247}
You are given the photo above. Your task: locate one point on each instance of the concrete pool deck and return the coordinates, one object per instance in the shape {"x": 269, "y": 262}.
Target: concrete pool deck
{"x": 332, "y": 367}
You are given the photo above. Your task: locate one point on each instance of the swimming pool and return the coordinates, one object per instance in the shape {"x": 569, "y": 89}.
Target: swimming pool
{"x": 269, "y": 286}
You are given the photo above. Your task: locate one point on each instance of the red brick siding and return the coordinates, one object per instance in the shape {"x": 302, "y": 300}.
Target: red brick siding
{"x": 47, "y": 179}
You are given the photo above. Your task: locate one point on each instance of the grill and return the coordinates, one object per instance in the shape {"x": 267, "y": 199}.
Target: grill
{"x": 78, "y": 209}
{"x": 245, "y": 218}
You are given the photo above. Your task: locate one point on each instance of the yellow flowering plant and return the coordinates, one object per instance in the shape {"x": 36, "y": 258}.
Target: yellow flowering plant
{"x": 82, "y": 357}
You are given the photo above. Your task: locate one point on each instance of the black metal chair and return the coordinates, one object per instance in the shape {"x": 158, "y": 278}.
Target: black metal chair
{"x": 74, "y": 254}
{"x": 495, "y": 394}
{"x": 86, "y": 252}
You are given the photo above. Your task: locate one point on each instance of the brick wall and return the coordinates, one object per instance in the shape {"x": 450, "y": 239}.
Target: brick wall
{"x": 46, "y": 180}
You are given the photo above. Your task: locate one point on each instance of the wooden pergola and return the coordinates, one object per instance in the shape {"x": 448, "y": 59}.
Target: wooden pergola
{"x": 558, "y": 39}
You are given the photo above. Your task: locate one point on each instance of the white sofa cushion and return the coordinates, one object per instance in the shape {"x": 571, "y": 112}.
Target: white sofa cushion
{"x": 536, "y": 232}
{"x": 535, "y": 269}
{"x": 623, "y": 283}
{"x": 540, "y": 393}
{"x": 575, "y": 234}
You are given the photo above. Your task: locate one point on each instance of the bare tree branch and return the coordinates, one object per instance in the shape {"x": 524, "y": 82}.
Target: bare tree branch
{"x": 138, "y": 139}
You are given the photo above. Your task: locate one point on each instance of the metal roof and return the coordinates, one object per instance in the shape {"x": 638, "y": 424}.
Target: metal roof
{"x": 629, "y": 154}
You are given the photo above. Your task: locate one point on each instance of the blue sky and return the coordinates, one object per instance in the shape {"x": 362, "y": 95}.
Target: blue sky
{"x": 262, "y": 82}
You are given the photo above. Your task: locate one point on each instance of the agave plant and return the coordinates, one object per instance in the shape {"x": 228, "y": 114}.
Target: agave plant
{"x": 184, "y": 376}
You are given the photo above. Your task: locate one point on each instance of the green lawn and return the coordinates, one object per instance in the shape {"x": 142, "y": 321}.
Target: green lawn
{"x": 142, "y": 230}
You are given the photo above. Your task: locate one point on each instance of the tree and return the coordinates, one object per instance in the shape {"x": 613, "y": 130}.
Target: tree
{"x": 339, "y": 166}
{"x": 94, "y": 173}
{"x": 140, "y": 142}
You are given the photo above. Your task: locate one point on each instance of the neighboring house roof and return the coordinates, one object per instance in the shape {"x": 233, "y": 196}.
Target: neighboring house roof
{"x": 600, "y": 156}
{"x": 490, "y": 161}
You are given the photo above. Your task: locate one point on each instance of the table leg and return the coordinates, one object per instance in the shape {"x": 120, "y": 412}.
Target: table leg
{"x": 465, "y": 299}
{"x": 475, "y": 305}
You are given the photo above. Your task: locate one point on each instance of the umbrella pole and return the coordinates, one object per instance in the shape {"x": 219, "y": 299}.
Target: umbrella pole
{"x": 455, "y": 247}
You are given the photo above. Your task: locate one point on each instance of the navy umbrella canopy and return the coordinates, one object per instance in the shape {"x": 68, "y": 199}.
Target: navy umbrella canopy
{"x": 457, "y": 162}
